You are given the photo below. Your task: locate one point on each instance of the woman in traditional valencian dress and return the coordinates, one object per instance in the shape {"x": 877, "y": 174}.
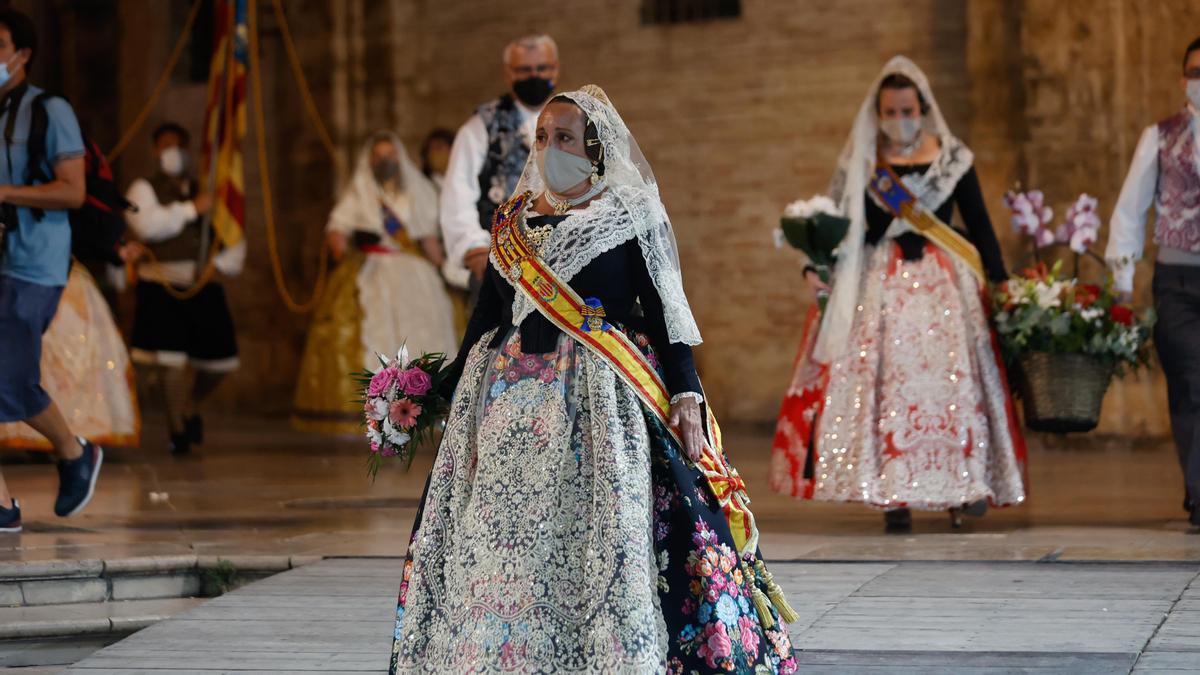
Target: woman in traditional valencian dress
{"x": 580, "y": 516}
{"x": 899, "y": 399}
{"x": 86, "y": 368}
{"x": 386, "y": 292}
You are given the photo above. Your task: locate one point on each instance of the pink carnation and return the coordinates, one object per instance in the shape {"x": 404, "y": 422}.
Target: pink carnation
{"x": 381, "y": 381}
{"x": 415, "y": 382}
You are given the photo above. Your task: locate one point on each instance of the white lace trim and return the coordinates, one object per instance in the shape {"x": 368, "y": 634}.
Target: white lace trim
{"x": 605, "y": 224}
{"x": 698, "y": 398}
{"x": 933, "y": 187}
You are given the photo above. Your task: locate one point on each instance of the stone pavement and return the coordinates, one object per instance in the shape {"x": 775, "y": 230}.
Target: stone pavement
{"x": 925, "y": 618}
{"x": 259, "y": 488}
{"x": 1091, "y": 575}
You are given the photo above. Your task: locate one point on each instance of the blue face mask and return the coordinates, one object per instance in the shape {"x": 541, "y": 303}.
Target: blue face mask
{"x": 5, "y": 73}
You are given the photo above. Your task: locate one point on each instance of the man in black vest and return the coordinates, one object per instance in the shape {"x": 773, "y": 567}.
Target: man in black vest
{"x": 490, "y": 150}
{"x": 183, "y": 331}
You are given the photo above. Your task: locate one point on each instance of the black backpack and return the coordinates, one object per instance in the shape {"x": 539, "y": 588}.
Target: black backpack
{"x": 98, "y": 226}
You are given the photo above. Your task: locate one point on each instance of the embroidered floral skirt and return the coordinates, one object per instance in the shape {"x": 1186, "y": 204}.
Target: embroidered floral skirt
{"x": 561, "y": 531}
{"x": 917, "y": 412}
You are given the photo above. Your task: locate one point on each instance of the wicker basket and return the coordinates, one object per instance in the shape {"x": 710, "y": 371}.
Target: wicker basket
{"x": 1062, "y": 393}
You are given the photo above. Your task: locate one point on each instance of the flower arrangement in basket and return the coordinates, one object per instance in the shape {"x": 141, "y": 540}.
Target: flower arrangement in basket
{"x": 814, "y": 226}
{"x": 402, "y": 405}
{"x": 1066, "y": 338}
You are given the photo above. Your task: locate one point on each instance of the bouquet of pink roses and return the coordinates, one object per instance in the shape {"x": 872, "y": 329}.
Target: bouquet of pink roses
{"x": 402, "y": 405}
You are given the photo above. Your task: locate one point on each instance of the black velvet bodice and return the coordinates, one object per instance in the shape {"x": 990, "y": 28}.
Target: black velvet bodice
{"x": 619, "y": 279}
{"x": 969, "y": 198}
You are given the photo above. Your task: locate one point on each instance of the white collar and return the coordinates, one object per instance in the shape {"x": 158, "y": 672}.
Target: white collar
{"x": 525, "y": 111}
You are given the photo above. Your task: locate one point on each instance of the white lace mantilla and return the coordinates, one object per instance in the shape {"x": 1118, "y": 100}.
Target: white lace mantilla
{"x": 632, "y": 206}
{"x": 603, "y": 225}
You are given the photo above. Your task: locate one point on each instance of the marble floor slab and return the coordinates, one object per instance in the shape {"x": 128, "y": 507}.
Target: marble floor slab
{"x": 920, "y": 618}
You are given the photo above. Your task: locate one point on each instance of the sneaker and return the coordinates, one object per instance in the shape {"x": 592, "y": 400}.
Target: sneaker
{"x": 10, "y": 518}
{"x": 77, "y": 479}
{"x": 193, "y": 428}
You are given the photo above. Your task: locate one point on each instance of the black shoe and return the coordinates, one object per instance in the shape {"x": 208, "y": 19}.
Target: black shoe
{"x": 77, "y": 479}
{"x": 976, "y": 509}
{"x": 1195, "y": 519}
{"x": 1188, "y": 504}
{"x": 193, "y": 428}
{"x": 956, "y": 517}
{"x": 897, "y": 521}
{"x": 10, "y": 518}
{"x": 181, "y": 444}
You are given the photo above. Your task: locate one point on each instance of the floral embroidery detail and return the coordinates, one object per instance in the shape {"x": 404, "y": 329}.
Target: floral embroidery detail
{"x": 730, "y": 637}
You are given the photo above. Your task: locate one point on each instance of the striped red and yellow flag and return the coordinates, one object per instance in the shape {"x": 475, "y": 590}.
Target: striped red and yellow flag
{"x": 225, "y": 121}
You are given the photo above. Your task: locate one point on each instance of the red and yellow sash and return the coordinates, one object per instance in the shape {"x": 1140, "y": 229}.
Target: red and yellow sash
{"x": 901, "y": 203}
{"x": 563, "y": 307}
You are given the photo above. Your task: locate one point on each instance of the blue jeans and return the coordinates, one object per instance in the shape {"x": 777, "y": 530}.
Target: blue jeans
{"x": 26, "y": 310}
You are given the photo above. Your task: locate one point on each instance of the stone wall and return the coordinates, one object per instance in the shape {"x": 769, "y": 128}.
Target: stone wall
{"x": 1061, "y": 91}
{"x": 737, "y": 118}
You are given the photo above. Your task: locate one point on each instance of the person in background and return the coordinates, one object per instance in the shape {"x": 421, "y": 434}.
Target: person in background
{"x": 899, "y": 398}
{"x": 490, "y": 151}
{"x": 384, "y": 294}
{"x": 435, "y": 157}
{"x": 183, "y": 335}
{"x": 1165, "y": 174}
{"x": 36, "y": 258}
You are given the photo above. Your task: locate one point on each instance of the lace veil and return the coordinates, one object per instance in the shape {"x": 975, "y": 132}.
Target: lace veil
{"x": 631, "y": 207}
{"x": 848, "y": 189}
{"x": 358, "y": 208}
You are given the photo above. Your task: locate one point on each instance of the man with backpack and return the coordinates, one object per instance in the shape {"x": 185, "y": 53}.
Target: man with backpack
{"x": 36, "y": 253}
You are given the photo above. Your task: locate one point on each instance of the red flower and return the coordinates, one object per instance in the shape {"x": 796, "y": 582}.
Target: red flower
{"x": 1039, "y": 273}
{"x": 1087, "y": 294}
{"x": 1121, "y": 314}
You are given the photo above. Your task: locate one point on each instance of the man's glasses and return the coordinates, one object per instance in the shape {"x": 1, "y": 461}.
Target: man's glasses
{"x": 1192, "y": 73}
{"x": 541, "y": 69}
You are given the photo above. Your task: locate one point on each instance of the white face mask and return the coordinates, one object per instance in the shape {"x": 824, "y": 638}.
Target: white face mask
{"x": 561, "y": 170}
{"x": 903, "y": 130}
{"x": 1193, "y": 92}
{"x": 173, "y": 161}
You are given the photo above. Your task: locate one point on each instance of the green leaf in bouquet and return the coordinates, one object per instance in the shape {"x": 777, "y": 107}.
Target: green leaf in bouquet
{"x": 1060, "y": 325}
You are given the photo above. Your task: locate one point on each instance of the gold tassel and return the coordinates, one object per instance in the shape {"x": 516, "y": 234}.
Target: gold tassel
{"x": 785, "y": 610}
{"x": 760, "y": 600}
